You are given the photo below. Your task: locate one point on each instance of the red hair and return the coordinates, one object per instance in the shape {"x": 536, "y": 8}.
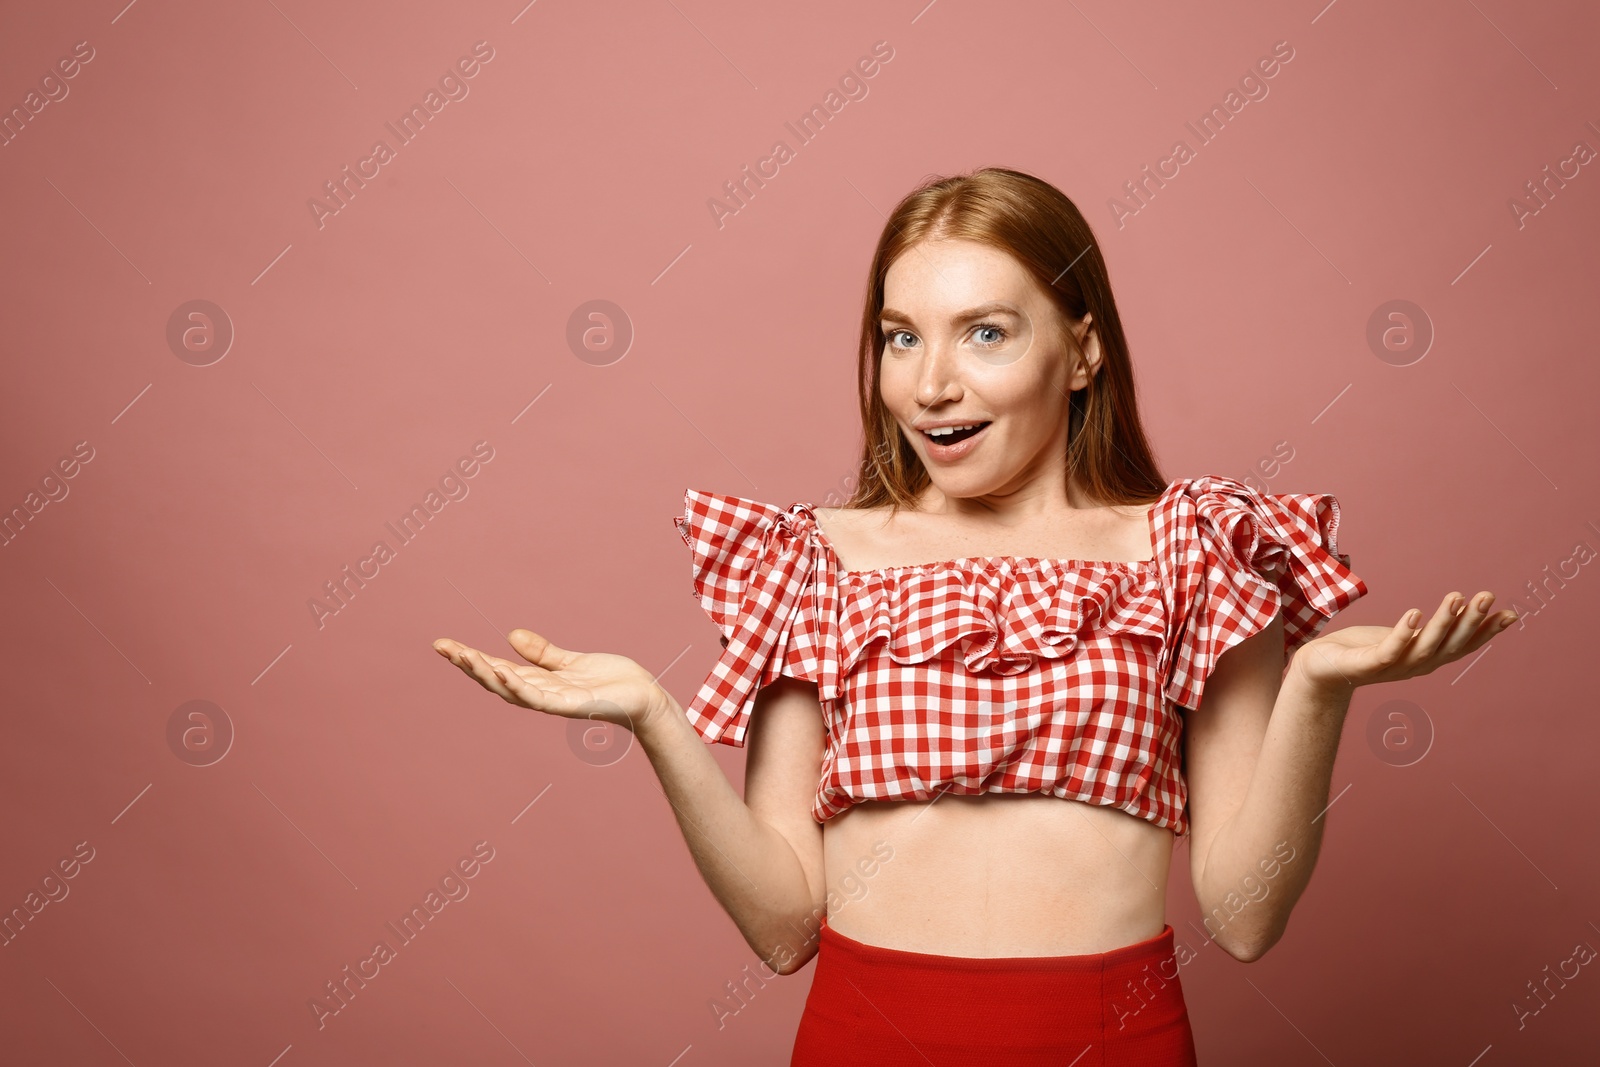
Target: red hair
{"x": 1045, "y": 232}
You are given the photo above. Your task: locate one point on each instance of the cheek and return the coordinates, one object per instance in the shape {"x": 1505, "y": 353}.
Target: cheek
{"x": 1033, "y": 406}
{"x": 896, "y": 381}
{"x": 1020, "y": 390}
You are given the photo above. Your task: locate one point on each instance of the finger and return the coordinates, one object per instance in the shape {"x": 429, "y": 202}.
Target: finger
{"x": 450, "y": 650}
{"x": 1433, "y": 635}
{"x": 506, "y": 665}
{"x": 1469, "y": 630}
{"x": 524, "y": 692}
{"x": 475, "y": 664}
{"x": 456, "y": 653}
{"x": 1488, "y": 625}
{"x": 488, "y": 671}
{"x": 1397, "y": 645}
{"x": 538, "y": 650}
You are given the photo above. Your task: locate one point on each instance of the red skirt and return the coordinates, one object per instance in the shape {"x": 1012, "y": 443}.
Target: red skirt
{"x": 883, "y": 1007}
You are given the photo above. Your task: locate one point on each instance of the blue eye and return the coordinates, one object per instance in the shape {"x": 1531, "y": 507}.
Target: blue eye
{"x": 890, "y": 336}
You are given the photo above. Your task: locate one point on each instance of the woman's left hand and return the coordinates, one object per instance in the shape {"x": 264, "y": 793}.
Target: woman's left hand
{"x": 1362, "y": 655}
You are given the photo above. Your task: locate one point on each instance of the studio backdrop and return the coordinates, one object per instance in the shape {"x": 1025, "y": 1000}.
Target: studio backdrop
{"x": 334, "y": 329}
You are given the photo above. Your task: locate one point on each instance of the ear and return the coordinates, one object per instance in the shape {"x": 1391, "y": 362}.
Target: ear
{"x": 1089, "y": 339}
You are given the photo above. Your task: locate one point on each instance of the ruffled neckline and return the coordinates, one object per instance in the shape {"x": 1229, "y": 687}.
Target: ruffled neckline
{"x": 1001, "y": 614}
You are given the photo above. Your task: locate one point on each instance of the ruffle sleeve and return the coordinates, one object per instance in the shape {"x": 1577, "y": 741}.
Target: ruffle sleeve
{"x": 1233, "y": 558}
{"x": 762, "y": 575}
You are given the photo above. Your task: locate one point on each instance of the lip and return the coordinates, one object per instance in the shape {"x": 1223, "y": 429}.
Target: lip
{"x": 935, "y": 424}
{"x": 950, "y": 453}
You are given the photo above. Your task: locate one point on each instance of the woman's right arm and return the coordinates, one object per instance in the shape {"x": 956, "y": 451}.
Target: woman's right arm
{"x": 761, "y": 856}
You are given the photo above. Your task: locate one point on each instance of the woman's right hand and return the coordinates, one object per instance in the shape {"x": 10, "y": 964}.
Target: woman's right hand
{"x": 574, "y": 685}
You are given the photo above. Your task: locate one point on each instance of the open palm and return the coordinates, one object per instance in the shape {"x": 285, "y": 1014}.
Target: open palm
{"x": 574, "y": 685}
{"x": 1364, "y": 655}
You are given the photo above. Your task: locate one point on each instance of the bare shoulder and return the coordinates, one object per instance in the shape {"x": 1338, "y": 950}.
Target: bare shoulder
{"x": 1136, "y": 521}
{"x": 1120, "y": 531}
{"x": 1131, "y": 517}
{"x": 840, "y": 518}
{"x": 858, "y": 533}
{"x": 1129, "y": 511}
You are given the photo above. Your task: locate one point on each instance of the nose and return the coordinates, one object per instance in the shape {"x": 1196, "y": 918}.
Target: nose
{"x": 936, "y": 378}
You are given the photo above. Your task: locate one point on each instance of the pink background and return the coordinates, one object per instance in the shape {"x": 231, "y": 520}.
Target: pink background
{"x": 431, "y": 312}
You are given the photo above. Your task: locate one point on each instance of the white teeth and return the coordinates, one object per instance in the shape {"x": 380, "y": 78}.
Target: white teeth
{"x": 946, "y": 430}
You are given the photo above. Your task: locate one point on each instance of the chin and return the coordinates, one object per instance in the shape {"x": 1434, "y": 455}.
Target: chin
{"x": 974, "y": 483}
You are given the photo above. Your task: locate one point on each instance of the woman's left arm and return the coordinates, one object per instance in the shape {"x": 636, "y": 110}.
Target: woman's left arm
{"x": 1260, "y": 757}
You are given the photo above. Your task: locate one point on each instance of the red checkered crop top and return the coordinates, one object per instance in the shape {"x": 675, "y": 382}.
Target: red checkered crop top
{"x": 1007, "y": 674}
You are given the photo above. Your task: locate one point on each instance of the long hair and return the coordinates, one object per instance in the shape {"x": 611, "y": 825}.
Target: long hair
{"x": 1044, "y": 231}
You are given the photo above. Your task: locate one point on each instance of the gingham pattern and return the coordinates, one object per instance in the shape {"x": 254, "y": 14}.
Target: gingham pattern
{"x": 1007, "y": 674}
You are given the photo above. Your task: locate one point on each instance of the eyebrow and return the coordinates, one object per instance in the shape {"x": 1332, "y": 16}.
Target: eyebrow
{"x": 982, "y": 310}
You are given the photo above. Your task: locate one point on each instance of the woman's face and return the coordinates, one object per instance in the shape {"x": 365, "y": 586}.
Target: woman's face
{"x": 970, "y": 337}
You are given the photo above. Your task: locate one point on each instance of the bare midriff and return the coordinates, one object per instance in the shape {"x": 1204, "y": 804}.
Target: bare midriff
{"x": 1000, "y": 874}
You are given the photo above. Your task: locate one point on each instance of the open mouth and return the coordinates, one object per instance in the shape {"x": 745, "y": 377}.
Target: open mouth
{"x": 950, "y": 437}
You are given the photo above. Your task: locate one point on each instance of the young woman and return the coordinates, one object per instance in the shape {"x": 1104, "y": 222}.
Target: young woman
{"x": 972, "y": 697}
